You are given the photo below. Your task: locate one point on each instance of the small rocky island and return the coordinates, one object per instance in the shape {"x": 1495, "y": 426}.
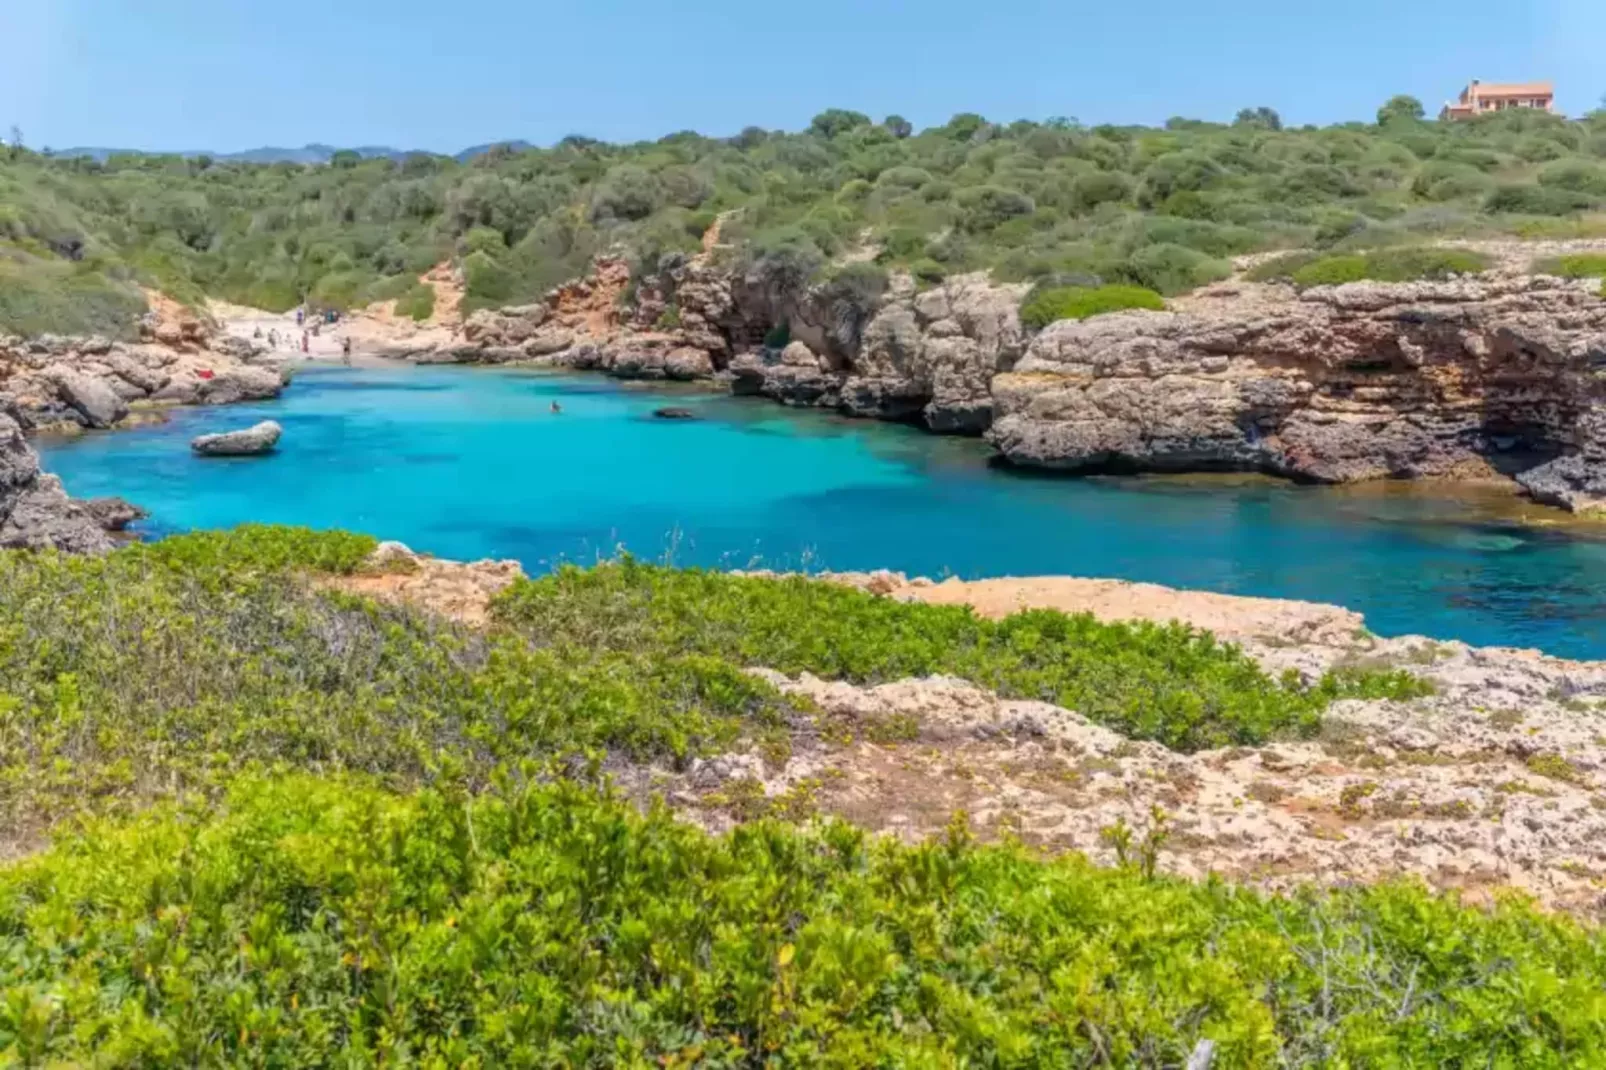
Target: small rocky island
{"x": 248, "y": 442}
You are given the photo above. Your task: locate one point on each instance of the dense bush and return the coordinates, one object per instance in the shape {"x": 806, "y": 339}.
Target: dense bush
{"x": 39, "y": 296}
{"x": 325, "y": 923}
{"x": 1168, "y": 683}
{"x": 1025, "y": 199}
{"x": 169, "y": 668}
{"x": 1077, "y": 303}
{"x": 1401, "y": 264}
{"x": 417, "y": 303}
{"x": 1537, "y": 200}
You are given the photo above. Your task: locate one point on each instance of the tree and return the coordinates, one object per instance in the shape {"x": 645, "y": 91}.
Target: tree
{"x": 834, "y": 121}
{"x": 1400, "y": 107}
{"x": 16, "y": 140}
{"x": 1266, "y": 118}
{"x": 345, "y": 159}
{"x": 898, "y": 125}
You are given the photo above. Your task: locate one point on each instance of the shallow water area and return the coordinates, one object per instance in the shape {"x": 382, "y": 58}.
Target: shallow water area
{"x": 471, "y": 462}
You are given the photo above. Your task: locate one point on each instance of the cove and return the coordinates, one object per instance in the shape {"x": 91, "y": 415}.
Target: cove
{"x": 470, "y": 462}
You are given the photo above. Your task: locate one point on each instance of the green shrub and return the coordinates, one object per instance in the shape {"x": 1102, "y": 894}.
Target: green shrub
{"x": 256, "y": 548}
{"x": 1168, "y": 268}
{"x": 1090, "y": 190}
{"x": 168, "y": 669}
{"x": 487, "y": 282}
{"x": 1581, "y": 176}
{"x": 1536, "y": 200}
{"x": 928, "y": 272}
{"x": 40, "y": 297}
{"x": 1448, "y": 181}
{"x": 1574, "y": 266}
{"x": 1076, "y": 303}
{"x": 1407, "y": 264}
{"x": 985, "y": 207}
{"x": 1282, "y": 267}
{"x": 1168, "y": 683}
{"x": 318, "y": 923}
{"x": 627, "y": 192}
{"x": 418, "y": 302}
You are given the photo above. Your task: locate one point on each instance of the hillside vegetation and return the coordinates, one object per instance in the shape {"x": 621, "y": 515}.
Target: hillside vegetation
{"x": 1054, "y": 202}
{"x": 294, "y": 827}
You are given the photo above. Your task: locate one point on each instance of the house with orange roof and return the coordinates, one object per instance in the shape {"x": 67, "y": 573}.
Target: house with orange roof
{"x": 1481, "y": 98}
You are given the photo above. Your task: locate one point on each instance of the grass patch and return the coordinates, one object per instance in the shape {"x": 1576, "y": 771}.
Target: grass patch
{"x": 1168, "y": 683}
{"x": 1077, "y": 303}
{"x": 1574, "y": 266}
{"x": 322, "y": 922}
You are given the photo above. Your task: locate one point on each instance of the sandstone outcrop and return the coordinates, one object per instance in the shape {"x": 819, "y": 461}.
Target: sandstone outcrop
{"x": 247, "y": 442}
{"x": 37, "y": 514}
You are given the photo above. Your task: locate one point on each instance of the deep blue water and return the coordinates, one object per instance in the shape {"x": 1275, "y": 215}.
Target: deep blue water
{"x": 469, "y": 463}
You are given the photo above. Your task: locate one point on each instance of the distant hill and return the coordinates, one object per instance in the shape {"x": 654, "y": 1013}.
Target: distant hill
{"x": 480, "y": 150}
{"x": 307, "y": 154}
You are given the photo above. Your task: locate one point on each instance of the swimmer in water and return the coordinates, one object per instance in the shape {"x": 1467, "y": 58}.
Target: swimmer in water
{"x": 556, "y": 408}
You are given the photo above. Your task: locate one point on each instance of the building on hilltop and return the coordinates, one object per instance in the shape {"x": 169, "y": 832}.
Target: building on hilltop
{"x": 1480, "y": 98}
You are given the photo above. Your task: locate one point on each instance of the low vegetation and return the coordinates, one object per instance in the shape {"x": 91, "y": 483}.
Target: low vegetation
{"x": 1078, "y": 303}
{"x": 1161, "y": 208}
{"x": 1410, "y": 264}
{"x": 294, "y": 827}
{"x": 1574, "y": 266}
{"x": 324, "y": 922}
{"x": 1168, "y": 683}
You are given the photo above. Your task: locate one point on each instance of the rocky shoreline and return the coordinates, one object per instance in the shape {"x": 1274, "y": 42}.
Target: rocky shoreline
{"x": 1494, "y": 376}
{"x": 69, "y": 385}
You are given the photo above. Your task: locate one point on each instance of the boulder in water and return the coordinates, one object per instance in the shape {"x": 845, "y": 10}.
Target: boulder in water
{"x": 246, "y": 443}
{"x": 673, "y": 413}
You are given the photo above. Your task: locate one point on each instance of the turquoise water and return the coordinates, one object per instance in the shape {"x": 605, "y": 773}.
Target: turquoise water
{"x": 470, "y": 463}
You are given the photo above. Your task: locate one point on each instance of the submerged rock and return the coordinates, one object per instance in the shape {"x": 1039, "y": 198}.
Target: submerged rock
{"x": 248, "y": 442}
{"x": 670, "y": 412}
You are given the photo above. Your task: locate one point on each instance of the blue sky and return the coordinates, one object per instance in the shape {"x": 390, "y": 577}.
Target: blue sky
{"x": 444, "y": 74}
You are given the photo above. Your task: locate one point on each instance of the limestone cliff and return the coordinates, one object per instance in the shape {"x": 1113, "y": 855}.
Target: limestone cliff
{"x": 1493, "y": 375}
{"x": 1334, "y": 384}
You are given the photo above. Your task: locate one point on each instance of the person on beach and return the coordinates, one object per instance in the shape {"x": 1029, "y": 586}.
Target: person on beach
{"x": 300, "y": 314}
{"x": 304, "y": 342}
{"x": 345, "y": 350}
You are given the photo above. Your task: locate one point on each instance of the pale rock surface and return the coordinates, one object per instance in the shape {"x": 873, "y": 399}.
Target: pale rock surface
{"x": 247, "y": 442}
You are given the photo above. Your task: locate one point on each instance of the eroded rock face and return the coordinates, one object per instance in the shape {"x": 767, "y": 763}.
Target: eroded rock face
{"x": 1335, "y": 384}
{"x": 927, "y": 357}
{"x": 247, "y": 442}
{"x": 35, "y": 512}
